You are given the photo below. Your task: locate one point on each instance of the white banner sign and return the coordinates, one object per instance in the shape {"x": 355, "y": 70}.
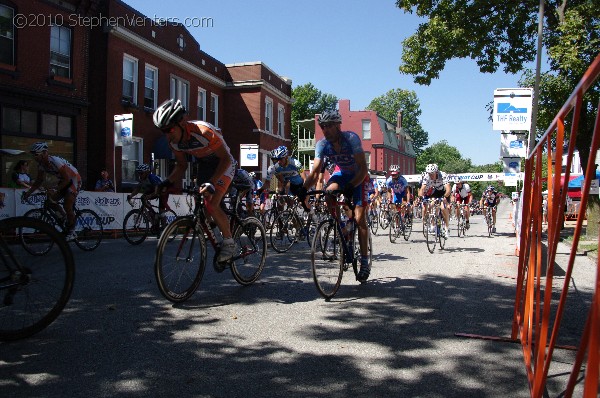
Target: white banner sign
{"x": 472, "y": 176}
{"x": 123, "y": 129}
{"x": 512, "y": 146}
{"x": 249, "y": 155}
{"x": 512, "y": 109}
{"x": 512, "y": 165}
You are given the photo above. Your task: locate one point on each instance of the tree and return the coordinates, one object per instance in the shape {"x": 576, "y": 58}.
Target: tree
{"x": 388, "y": 105}
{"x": 308, "y": 101}
{"x": 447, "y": 157}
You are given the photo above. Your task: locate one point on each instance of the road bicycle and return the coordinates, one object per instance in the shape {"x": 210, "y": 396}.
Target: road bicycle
{"x": 385, "y": 216}
{"x": 294, "y": 224}
{"x": 433, "y": 224}
{"x": 335, "y": 247}
{"x": 180, "y": 263}
{"x": 145, "y": 220}
{"x": 489, "y": 219}
{"x": 461, "y": 223}
{"x": 34, "y": 289}
{"x": 88, "y": 225}
{"x": 402, "y": 222}
{"x": 373, "y": 219}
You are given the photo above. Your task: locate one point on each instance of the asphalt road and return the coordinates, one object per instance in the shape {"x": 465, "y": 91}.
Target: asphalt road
{"x": 393, "y": 336}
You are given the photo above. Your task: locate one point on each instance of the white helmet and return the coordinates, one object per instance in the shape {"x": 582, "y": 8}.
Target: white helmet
{"x": 168, "y": 113}
{"x": 142, "y": 167}
{"x": 431, "y": 168}
{"x": 38, "y": 147}
{"x": 252, "y": 174}
{"x": 394, "y": 168}
{"x": 279, "y": 152}
{"x": 330, "y": 117}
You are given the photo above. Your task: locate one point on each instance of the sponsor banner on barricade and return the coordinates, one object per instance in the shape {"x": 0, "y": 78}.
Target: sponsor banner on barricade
{"x": 471, "y": 177}
{"x": 21, "y": 207}
{"x": 108, "y": 205}
{"x": 7, "y": 203}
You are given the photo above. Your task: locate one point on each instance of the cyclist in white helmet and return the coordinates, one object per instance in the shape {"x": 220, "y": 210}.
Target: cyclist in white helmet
{"x": 435, "y": 184}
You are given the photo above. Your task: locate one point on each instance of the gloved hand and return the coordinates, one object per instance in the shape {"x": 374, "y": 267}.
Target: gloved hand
{"x": 207, "y": 187}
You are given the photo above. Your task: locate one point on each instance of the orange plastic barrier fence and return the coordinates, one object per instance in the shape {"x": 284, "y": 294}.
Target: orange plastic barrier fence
{"x": 533, "y": 302}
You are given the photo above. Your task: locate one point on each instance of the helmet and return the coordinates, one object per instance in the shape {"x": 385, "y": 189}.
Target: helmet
{"x": 252, "y": 174}
{"x": 394, "y": 168}
{"x": 490, "y": 188}
{"x": 431, "y": 168}
{"x": 38, "y": 147}
{"x": 168, "y": 113}
{"x": 382, "y": 183}
{"x": 142, "y": 167}
{"x": 457, "y": 180}
{"x": 329, "y": 117}
{"x": 279, "y": 152}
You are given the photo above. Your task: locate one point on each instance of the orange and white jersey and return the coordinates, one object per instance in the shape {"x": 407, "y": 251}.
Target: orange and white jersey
{"x": 201, "y": 140}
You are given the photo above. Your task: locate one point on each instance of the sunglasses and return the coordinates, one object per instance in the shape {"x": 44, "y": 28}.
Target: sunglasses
{"x": 325, "y": 125}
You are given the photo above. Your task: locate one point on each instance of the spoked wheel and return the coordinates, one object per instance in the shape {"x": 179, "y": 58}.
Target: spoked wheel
{"x": 384, "y": 219}
{"x": 35, "y": 288}
{"x": 179, "y": 264}
{"x": 407, "y": 226}
{"x": 136, "y": 226}
{"x": 489, "y": 220}
{"x": 89, "y": 230}
{"x": 250, "y": 251}
{"x": 440, "y": 235}
{"x": 357, "y": 254}
{"x": 431, "y": 232}
{"x": 36, "y": 244}
{"x": 167, "y": 217}
{"x": 374, "y": 221}
{"x": 395, "y": 227}
{"x": 327, "y": 257}
{"x": 461, "y": 227}
{"x": 267, "y": 219}
{"x": 285, "y": 231}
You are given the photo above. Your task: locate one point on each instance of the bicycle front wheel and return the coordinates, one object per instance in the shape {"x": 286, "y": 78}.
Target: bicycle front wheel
{"x": 374, "y": 222}
{"x": 384, "y": 219}
{"x": 35, "y": 243}
{"x": 441, "y": 237}
{"x": 136, "y": 227}
{"x": 179, "y": 263}
{"x": 327, "y": 257}
{"x": 89, "y": 230}
{"x": 395, "y": 228}
{"x": 408, "y": 220}
{"x": 35, "y": 289}
{"x": 250, "y": 251}
{"x": 431, "y": 232}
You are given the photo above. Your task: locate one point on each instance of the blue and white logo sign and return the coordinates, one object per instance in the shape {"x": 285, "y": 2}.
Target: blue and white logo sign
{"x": 512, "y": 146}
{"x": 249, "y": 155}
{"x": 512, "y": 109}
{"x": 123, "y": 129}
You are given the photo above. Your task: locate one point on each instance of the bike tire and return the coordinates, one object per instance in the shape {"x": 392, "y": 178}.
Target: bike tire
{"x": 440, "y": 227}
{"x": 327, "y": 259}
{"x": 44, "y": 284}
{"x": 431, "y": 236}
{"x": 374, "y": 222}
{"x": 395, "y": 228}
{"x": 357, "y": 254}
{"x": 268, "y": 218}
{"x": 89, "y": 229}
{"x": 407, "y": 227}
{"x": 179, "y": 264}
{"x": 284, "y": 232}
{"x": 384, "y": 220}
{"x": 37, "y": 245}
{"x": 136, "y": 227}
{"x": 250, "y": 252}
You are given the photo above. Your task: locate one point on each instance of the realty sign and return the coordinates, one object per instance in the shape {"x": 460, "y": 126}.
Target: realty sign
{"x": 512, "y": 109}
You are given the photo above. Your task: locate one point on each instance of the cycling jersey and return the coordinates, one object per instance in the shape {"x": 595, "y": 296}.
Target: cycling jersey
{"x": 397, "y": 187}
{"x": 344, "y": 160}
{"x": 55, "y": 164}
{"x": 461, "y": 194}
{"x": 290, "y": 173}
{"x": 490, "y": 198}
{"x": 433, "y": 186}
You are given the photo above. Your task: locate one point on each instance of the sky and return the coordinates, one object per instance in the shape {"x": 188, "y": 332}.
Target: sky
{"x": 351, "y": 49}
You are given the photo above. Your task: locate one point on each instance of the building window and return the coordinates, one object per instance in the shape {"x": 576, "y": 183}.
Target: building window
{"x": 60, "y": 51}
{"x": 201, "y": 114}
{"x": 7, "y": 38}
{"x": 132, "y": 157}
{"x": 19, "y": 121}
{"x": 214, "y": 109}
{"x": 59, "y": 126}
{"x": 366, "y": 129}
{"x": 368, "y": 160}
{"x": 130, "y": 66}
{"x": 281, "y": 120}
{"x": 150, "y": 86}
{"x": 269, "y": 115}
{"x": 180, "y": 89}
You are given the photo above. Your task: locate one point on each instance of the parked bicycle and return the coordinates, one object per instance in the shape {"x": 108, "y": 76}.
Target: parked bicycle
{"x": 180, "y": 263}
{"x": 334, "y": 248}
{"x": 145, "y": 220}
{"x": 34, "y": 289}
{"x": 88, "y": 224}
{"x": 433, "y": 224}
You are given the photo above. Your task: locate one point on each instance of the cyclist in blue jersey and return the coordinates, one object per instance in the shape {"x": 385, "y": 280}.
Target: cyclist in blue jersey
{"x": 148, "y": 186}
{"x": 259, "y": 192}
{"x": 397, "y": 187}
{"x": 286, "y": 169}
{"x": 344, "y": 148}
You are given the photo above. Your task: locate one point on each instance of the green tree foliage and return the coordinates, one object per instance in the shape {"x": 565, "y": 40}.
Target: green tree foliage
{"x": 447, "y": 157}
{"x": 308, "y": 101}
{"x": 406, "y": 101}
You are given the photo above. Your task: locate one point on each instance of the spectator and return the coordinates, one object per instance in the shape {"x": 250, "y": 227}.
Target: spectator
{"x": 104, "y": 184}
{"x": 20, "y": 177}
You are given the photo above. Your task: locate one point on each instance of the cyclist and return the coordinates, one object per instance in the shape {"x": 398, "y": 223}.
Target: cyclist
{"x": 490, "y": 198}
{"x": 397, "y": 187}
{"x": 148, "y": 186}
{"x": 204, "y": 142}
{"x": 258, "y": 192}
{"x": 286, "y": 169}
{"x": 242, "y": 186}
{"x": 69, "y": 183}
{"x": 461, "y": 194}
{"x": 344, "y": 148}
{"x": 435, "y": 184}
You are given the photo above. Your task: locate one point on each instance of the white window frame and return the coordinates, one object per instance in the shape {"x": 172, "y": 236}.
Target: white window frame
{"x": 10, "y": 33}
{"x": 154, "y": 85}
{"x": 269, "y": 114}
{"x": 139, "y": 142}
{"x": 134, "y": 61}
{"x": 366, "y": 132}
{"x": 201, "y": 104}
{"x": 281, "y": 120}
{"x": 368, "y": 160}
{"x": 180, "y": 89}
{"x": 60, "y": 51}
{"x": 214, "y": 107}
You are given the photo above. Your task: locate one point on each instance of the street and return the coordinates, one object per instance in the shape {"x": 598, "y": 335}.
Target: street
{"x": 393, "y": 336}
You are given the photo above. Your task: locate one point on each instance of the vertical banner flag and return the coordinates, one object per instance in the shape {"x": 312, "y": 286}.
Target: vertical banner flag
{"x": 512, "y": 109}
{"x": 123, "y": 129}
{"x": 512, "y": 146}
{"x": 249, "y": 155}
{"x": 512, "y": 165}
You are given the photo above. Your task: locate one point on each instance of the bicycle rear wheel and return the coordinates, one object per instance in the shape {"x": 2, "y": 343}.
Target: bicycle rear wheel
{"x": 431, "y": 232}
{"x": 395, "y": 227}
{"x": 36, "y": 244}
{"x": 407, "y": 226}
{"x": 179, "y": 263}
{"x": 136, "y": 226}
{"x": 34, "y": 288}
{"x": 250, "y": 252}
{"x": 89, "y": 229}
{"x": 384, "y": 219}
{"x": 327, "y": 258}
{"x": 374, "y": 221}
{"x": 285, "y": 231}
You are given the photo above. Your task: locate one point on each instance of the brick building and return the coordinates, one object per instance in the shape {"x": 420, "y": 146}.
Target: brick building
{"x": 43, "y": 79}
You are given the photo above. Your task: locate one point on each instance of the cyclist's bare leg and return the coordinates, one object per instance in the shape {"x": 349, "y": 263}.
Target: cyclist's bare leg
{"x": 363, "y": 231}
{"x": 219, "y": 216}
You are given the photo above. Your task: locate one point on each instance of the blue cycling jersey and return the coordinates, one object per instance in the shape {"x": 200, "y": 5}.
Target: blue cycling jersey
{"x": 290, "y": 173}
{"x": 350, "y": 146}
{"x": 147, "y": 185}
{"x": 397, "y": 186}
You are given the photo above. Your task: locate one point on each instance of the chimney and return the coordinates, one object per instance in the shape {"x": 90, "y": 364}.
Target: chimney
{"x": 344, "y": 105}
{"x": 399, "y": 119}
